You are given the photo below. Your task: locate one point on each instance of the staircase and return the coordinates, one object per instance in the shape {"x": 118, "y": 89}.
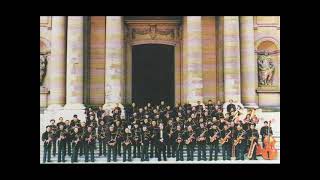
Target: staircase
{"x": 103, "y": 160}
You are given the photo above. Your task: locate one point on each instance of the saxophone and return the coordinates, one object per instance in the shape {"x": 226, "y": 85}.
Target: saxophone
{"x": 238, "y": 140}
{"x": 127, "y": 141}
{"x": 252, "y": 146}
{"x": 214, "y": 137}
{"x": 201, "y": 137}
{"x": 225, "y": 139}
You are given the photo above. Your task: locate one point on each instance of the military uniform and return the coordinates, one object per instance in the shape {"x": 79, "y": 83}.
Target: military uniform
{"x": 119, "y": 130}
{"x": 127, "y": 146}
{"x": 102, "y": 139}
{"x": 202, "y": 135}
{"x": 54, "y": 138}
{"x": 264, "y": 133}
{"x": 170, "y": 145}
{"x": 215, "y": 144}
{"x": 111, "y": 141}
{"x": 82, "y": 131}
{"x": 47, "y": 138}
{"x": 240, "y": 148}
{"x": 76, "y": 139}
{"x": 153, "y": 141}
{"x": 69, "y": 130}
{"x": 226, "y": 147}
{"x": 145, "y": 145}
{"x": 61, "y": 135}
{"x": 190, "y": 136}
{"x": 90, "y": 141}
{"x": 253, "y": 133}
{"x": 136, "y": 142}
{"x": 162, "y": 139}
{"x": 178, "y": 137}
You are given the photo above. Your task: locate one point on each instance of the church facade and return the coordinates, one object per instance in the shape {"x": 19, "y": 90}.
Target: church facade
{"x": 92, "y": 60}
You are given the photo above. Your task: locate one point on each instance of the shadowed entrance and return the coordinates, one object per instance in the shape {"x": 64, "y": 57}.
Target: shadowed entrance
{"x": 152, "y": 74}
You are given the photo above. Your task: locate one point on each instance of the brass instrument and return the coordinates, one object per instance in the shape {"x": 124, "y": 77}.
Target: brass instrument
{"x": 161, "y": 136}
{"x": 214, "y": 137}
{"x": 90, "y": 138}
{"x": 78, "y": 138}
{"x": 201, "y": 137}
{"x": 190, "y": 138}
{"x": 225, "y": 139}
{"x": 252, "y": 146}
{"x": 239, "y": 139}
{"x": 61, "y": 136}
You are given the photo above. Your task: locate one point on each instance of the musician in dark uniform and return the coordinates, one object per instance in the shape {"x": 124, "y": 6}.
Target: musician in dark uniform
{"x": 264, "y": 132}
{"x": 231, "y": 106}
{"x": 201, "y": 135}
{"x": 111, "y": 141}
{"x": 178, "y": 137}
{"x": 119, "y": 130}
{"x": 162, "y": 138}
{"x": 127, "y": 144}
{"x": 61, "y": 135}
{"x": 145, "y": 143}
{"x": 240, "y": 134}
{"x": 90, "y": 141}
{"x": 69, "y": 130}
{"x": 76, "y": 139}
{"x": 214, "y": 135}
{"x": 54, "y": 129}
{"x": 100, "y": 113}
{"x": 47, "y": 138}
{"x": 75, "y": 121}
{"x": 190, "y": 142}
{"x": 136, "y": 130}
{"x": 153, "y": 141}
{"x": 82, "y": 130}
{"x": 226, "y": 147}
{"x": 102, "y": 129}
{"x": 108, "y": 120}
{"x": 171, "y": 128}
{"x": 253, "y": 135}
{"x": 60, "y": 122}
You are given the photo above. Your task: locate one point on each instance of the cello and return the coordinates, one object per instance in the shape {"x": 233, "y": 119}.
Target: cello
{"x": 269, "y": 152}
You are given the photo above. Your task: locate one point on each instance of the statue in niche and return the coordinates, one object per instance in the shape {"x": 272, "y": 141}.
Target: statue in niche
{"x": 43, "y": 67}
{"x": 266, "y": 69}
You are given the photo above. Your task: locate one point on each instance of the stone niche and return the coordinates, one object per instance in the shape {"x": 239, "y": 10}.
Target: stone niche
{"x": 44, "y": 59}
{"x": 268, "y": 72}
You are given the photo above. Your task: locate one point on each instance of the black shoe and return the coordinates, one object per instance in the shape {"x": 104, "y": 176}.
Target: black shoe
{"x": 49, "y": 161}
{"x": 108, "y": 160}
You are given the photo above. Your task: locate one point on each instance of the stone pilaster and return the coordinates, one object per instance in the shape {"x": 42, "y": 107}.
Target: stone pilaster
{"x": 75, "y": 63}
{"x": 192, "y": 50}
{"x": 231, "y": 59}
{"x": 248, "y": 66}
{"x": 114, "y": 63}
{"x": 57, "y": 79}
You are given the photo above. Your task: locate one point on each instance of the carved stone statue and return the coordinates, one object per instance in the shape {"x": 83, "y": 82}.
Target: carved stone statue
{"x": 43, "y": 67}
{"x": 266, "y": 69}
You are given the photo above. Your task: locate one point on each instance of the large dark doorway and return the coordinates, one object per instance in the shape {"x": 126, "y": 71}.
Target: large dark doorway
{"x": 152, "y": 74}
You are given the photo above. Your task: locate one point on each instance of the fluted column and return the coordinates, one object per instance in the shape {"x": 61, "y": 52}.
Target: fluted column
{"x": 192, "y": 49}
{"x": 248, "y": 66}
{"x": 114, "y": 77}
{"x": 75, "y": 63}
{"x": 57, "y": 79}
{"x": 231, "y": 59}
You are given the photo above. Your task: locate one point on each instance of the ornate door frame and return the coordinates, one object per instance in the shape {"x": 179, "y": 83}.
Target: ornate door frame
{"x": 168, "y": 32}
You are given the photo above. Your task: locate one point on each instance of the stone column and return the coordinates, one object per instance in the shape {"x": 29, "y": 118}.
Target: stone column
{"x": 114, "y": 63}
{"x": 248, "y": 66}
{"x": 57, "y": 79}
{"x": 75, "y": 63}
{"x": 193, "y": 83}
{"x": 231, "y": 59}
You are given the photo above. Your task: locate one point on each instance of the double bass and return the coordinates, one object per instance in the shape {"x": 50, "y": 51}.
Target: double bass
{"x": 269, "y": 152}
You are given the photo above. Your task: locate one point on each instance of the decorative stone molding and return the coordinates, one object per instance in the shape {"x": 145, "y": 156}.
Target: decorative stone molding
{"x": 43, "y": 67}
{"x": 154, "y": 31}
{"x": 45, "y": 21}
